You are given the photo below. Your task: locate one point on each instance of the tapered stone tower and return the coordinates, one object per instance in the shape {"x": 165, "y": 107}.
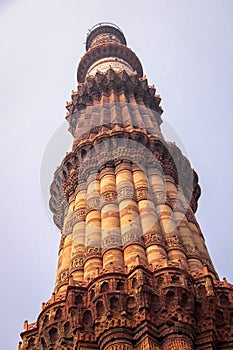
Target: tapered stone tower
{"x": 133, "y": 269}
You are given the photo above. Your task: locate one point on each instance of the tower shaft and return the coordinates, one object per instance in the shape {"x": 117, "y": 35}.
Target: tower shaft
{"x": 133, "y": 268}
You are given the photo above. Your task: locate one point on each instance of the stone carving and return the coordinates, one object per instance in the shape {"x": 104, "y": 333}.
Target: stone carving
{"x": 153, "y": 237}
{"x": 93, "y": 251}
{"x": 70, "y": 224}
{"x": 62, "y": 185}
{"x": 132, "y": 236}
{"x": 192, "y": 251}
{"x": 111, "y": 241}
{"x": 120, "y": 346}
{"x": 109, "y": 196}
{"x": 81, "y": 214}
{"x": 101, "y": 157}
{"x": 141, "y": 193}
{"x": 174, "y": 242}
{"x": 63, "y": 277}
{"x": 126, "y": 192}
{"x": 77, "y": 262}
{"x": 93, "y": 203}
{"x": 160, "y": 197}
{"x": 169, "y": 305}
{"x": 177, "y": 344}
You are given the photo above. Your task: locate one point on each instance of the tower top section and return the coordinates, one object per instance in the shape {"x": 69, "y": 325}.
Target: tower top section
{"x": 106, "y": 48}
{"x": 104, "y": 32}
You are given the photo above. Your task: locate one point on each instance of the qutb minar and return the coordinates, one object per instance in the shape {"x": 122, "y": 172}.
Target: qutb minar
{"x": 133, "y": 268}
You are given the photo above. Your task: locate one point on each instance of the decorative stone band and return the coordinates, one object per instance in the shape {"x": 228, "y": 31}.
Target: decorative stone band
{"x": 108, "y": 197}
{"x": 70, "y": 224}
{"x": 91, "y": 252}
{"x": 107, "y": 50}
{"x": 173, "y": 242}
{"x": 142, "y": 194}
{"x": 63, "y": 278}
{"x": 113, "y": 240}
{"x": 161, "y": 198}
{"x": 125, "y": 191}
{"x": 77, "y": 263}
{"x": 119, "y": 346}
{"x": 131, "y": 237}
{"x": 104, "y": 64}
{"x": 97, "y": 202}
{"x": 153, "y": 237}
{"x": 192, "y": 251}
{"x": 104, "y": 31}
{"x": 93, "y": 203}
{"x": 81, "y": 214}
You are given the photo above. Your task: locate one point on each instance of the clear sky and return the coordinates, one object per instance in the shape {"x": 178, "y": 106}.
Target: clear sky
{"x": 186, "y": 49}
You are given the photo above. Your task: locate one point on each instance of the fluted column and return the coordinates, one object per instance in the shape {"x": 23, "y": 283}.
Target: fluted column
{"x": 192, "y": 252}
{"x": 179, "y": 203}
{"x": 110, "y": 221}
{"x": 78, "y": 245}
{"x": 64, "y": 255}
{"x": 177, "y": 343}
{"x": 93, "y": 258}
{"x": 200, "y": 244}
{"x": 129, "y": 216}
{"x": 175, "y": 250}
{"x": 198, "y": 247}
{"x": 155, "y": 244}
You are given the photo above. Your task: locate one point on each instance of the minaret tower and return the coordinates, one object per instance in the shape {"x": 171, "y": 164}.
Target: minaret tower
{"x": 133, "y": 268}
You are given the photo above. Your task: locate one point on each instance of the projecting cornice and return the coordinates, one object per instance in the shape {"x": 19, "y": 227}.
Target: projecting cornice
{"x": 119, "y": 88}
{"x": 108, "y": 50}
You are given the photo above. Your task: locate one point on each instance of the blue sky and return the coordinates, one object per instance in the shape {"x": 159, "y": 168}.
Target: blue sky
{"x": 186, "y": 50}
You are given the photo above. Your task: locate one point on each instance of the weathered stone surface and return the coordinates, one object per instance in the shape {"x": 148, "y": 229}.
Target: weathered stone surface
{"x": 133, "y": 269}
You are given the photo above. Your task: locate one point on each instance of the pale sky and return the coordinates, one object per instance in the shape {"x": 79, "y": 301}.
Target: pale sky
{"x": 185, "y": 47}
